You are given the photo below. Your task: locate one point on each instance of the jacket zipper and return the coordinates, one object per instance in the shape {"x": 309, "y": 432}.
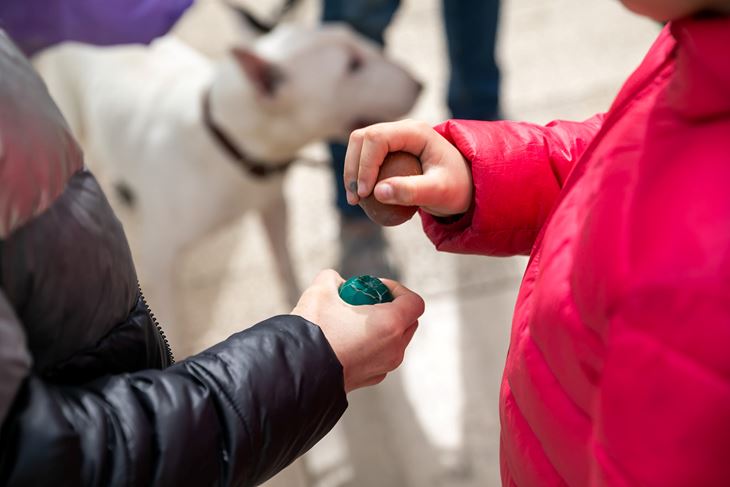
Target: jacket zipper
{"x": 168, "y": 349}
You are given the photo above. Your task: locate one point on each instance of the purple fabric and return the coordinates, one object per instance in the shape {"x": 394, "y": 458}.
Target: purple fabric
{"x": 35, "y": 24}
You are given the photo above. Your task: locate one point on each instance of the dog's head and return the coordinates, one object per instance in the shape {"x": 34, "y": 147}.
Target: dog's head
{"x": 297, "y": 86}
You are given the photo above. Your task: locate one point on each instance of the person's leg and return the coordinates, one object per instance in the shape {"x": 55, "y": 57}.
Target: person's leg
{"x": 337, "y": 152}
{"x": 362, "y": 242}
{"x": 471, "y": 32}
{"x": 368, "y": 17}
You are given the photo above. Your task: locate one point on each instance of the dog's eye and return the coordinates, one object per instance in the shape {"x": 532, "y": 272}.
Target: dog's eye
{"x": 354, "y": 65}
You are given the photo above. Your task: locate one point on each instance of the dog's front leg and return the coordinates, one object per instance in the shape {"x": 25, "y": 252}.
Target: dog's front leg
{"x": 275, "y": 221}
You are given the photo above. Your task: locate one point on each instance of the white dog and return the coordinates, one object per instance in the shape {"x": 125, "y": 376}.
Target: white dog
{"x": 184, "y": 145}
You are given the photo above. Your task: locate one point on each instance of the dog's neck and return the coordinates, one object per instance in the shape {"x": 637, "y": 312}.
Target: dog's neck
{"x": 254, "y": 167}
{"x": 253, "y": 120}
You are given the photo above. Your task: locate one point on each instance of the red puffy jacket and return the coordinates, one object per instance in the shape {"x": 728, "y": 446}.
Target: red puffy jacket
{"x": 618, "y": 371}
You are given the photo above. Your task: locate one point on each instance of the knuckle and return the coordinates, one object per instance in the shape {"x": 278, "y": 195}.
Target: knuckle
{"x": 402, "y": 316}
{"x": 357, "y": 135}
{"x": 374, "y": 135}
{"x": 420, "y": 305}
{"x": 395, "y": 359}
{"x": 422, "y": 126}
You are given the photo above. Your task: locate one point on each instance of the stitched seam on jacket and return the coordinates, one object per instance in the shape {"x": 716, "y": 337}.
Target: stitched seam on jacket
{"x": 628, "y": 480}
{"x": 213, "y": 379}
{"x": 575, "y": 405}
{"x": 714, "y": 374}
{"x": 223, "y": 394}
{"x": 115, "y": 418}
{"x": 611, "y": 119}
{"x": 231, "y": 403}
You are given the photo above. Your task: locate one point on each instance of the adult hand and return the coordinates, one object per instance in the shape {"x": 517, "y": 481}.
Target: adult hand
{"x": 369, "y": 341}
{"x": 444, "y": 188}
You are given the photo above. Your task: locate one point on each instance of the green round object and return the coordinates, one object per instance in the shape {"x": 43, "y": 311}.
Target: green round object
{"x": 361, "y": 290}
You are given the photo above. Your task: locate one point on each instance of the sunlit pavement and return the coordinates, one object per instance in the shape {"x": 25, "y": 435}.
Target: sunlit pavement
{"x": 435, "y": 420}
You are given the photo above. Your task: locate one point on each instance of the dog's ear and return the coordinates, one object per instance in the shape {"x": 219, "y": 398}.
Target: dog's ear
{"x": 264, "y": 75}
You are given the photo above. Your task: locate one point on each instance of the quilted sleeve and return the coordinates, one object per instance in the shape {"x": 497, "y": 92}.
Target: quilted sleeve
{"x": 234, "y": 414}
{"x": 518, "y": 171}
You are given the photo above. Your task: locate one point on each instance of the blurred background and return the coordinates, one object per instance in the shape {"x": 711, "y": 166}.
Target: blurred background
{"x": 434, "y": 422}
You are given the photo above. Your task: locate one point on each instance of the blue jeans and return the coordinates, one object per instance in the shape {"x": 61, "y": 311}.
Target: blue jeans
{"x": 471, "y": 32}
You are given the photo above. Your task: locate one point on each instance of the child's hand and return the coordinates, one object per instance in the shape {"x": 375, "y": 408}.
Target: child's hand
{"x": 369, "y": 341}
{"x": 444, "y": 189}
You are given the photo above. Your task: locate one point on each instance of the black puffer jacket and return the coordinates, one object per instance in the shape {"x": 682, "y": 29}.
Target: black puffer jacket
{"x": 87, "y": 393}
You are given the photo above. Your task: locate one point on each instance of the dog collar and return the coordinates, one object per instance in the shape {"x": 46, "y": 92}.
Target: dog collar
{"x": 256, "y": 168}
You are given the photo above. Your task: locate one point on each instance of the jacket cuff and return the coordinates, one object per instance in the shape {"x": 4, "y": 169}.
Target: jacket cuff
{"x": 438, "y": 225}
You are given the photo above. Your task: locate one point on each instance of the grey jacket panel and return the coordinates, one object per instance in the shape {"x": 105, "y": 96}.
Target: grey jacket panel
{"x": 233, "y": 415}
{"x": 37, "y": 152}
{"x": 66, "y": 268}
{"x": 14, "y": 357}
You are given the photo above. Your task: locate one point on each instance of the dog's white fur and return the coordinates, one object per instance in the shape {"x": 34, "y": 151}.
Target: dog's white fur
{"x": 138, "y": 113}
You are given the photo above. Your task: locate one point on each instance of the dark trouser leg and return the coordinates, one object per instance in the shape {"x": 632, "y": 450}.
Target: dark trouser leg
{"x": 471, "y": 32}
{"x": 370, "y": 18}
{"x": 337, "y": 152}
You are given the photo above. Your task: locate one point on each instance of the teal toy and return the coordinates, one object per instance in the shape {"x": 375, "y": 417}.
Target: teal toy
{"x": 361, "y": 290}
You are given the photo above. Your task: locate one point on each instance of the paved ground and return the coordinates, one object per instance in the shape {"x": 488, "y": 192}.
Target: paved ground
{"x": 435, "y": 421}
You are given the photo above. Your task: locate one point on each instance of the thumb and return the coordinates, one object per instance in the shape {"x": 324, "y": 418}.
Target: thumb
{"x": 423, "y": 190}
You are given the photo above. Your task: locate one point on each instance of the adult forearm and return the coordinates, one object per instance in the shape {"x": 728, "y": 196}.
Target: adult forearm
{"x": 234, "y": 414}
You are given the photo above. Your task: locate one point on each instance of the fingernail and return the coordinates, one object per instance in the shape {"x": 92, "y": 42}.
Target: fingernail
{"x": 360, "y": 188}
{"x": 385, "y": 191}
{"x": 353, "y": 186}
